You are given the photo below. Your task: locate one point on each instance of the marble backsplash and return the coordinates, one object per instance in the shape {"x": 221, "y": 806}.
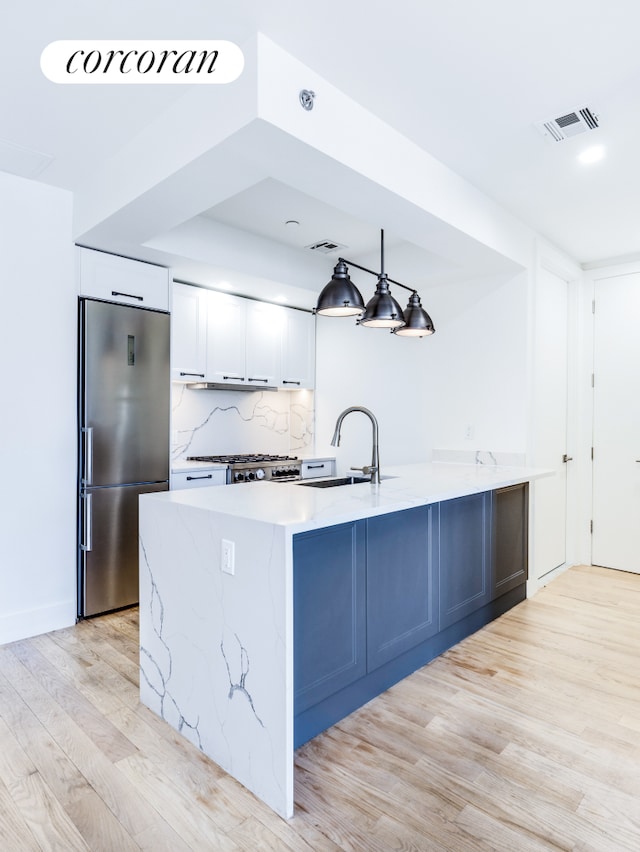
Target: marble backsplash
{"x": 215, "y": 422}
{"x": 487, "y": 457}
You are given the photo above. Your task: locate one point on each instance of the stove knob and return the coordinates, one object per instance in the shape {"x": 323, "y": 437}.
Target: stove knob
{"x": 259, "y": 473}
{"x": 238, "y": 476}
{"x": 251, "y": 475}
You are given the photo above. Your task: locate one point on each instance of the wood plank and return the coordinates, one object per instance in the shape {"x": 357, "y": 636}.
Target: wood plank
{"x": 44, "y": 816}
{"x": 98, "y": 770}
{"x": 183, "y": 813}
{"x": 524, "y": 736}
{"x": 102, "y": 733}
{"x": 14, "y": 831}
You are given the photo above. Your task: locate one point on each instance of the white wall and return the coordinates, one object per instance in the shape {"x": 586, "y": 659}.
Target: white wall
{"x": 425, "y": 392}
{"x": 38, "y": 345}
{"x": 376, "y": 369}
{"x": 478, "y": 383}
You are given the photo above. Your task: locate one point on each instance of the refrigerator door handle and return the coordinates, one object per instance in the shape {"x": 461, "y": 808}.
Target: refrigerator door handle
{"x": 85, "y": 544}
{"x": 87, "y": 474}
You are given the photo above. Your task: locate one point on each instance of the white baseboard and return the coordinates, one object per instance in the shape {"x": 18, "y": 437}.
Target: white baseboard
{"x": 20, "y": 625}
{"x": 535, "y": 584}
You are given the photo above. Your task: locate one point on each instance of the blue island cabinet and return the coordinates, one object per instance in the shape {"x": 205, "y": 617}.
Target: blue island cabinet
{"x": 376, "y": 599}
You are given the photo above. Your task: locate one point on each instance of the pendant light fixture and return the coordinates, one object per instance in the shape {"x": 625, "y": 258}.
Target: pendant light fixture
{"x": 417, "y": 322}
{"x": 342, "y": 298}
{"x": 382, "y": 310}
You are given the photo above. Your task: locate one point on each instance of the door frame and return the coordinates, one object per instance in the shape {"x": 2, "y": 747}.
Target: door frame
{"x": 550, "y": 259}
{"x": 594, "y": 273}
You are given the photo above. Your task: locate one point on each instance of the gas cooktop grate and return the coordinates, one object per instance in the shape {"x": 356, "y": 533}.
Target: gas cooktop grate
{"x": 250, "y": 458}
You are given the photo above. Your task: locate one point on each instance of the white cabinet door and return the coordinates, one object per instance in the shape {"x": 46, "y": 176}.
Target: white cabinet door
{"x": 226, "y": 335}
{"x": 265, "y": 325}
{"x": 188, "y": 333}
{"x": 229, "y": 340}
{"x": 298, "y": 350}
{"x": 197, "y": 479}
{"x": 119, "y": 279}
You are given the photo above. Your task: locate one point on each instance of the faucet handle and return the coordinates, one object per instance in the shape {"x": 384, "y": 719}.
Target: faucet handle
{"x": 367, "y": 470}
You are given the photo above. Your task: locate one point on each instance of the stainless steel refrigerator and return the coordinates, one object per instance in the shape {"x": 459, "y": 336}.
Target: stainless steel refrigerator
{"x": 124, "y": 405}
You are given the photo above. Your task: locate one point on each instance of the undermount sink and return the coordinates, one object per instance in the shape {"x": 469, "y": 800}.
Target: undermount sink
{"x": 339, "y": 480}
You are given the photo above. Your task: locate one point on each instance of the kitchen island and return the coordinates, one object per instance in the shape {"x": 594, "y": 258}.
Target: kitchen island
{"x": 223, "y": 571}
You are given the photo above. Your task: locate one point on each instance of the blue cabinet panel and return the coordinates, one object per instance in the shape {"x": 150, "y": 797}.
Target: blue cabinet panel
{"x": 511, "y": 544}
{"x": 402, "y": 586}
{"x": 374, "y": 600}
{"x": 329, "y": 611}
{"x": 465, "y": 556}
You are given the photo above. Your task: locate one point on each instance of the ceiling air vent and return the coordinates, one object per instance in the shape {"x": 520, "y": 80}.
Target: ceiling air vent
{"x": 573, "y": 123}
{"x": 326, "y": 246}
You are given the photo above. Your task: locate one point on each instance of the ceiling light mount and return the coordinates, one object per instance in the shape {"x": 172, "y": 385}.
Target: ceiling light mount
{"x": 341, "y": 297}
{"x": 306, "y": 97}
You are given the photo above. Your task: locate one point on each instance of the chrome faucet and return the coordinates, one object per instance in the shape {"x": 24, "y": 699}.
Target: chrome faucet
{"x": 374, "y": 468}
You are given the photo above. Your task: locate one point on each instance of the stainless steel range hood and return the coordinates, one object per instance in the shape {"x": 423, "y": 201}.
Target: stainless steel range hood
{"x": 228, "y": 386}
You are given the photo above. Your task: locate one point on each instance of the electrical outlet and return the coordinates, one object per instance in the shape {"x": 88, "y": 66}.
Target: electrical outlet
{"x": 228, "y": 556}
{"x": 468, "y": 432}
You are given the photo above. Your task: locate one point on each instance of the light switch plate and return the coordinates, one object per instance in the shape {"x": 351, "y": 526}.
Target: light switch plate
{"x": 228, "y": 556}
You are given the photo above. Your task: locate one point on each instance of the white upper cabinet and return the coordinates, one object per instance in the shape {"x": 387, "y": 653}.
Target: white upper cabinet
{"x": 297, "y": 364}
{"x": 188, "y": 333}
{"x": 228, "y": 340}
{"x": 265, "y": 324}
{"x": 118, "y": 279}
{"x": 226, "y": 335}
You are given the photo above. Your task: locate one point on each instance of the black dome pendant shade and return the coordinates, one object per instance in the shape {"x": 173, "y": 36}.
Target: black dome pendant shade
{"x": 340, "y": 298}
{"x": 382, "y": 310}
{"x": 417, "y": 322}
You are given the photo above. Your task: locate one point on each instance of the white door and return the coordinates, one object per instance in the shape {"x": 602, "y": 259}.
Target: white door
{"x": 615, "y": 542}
{"x": 550, "y": 419}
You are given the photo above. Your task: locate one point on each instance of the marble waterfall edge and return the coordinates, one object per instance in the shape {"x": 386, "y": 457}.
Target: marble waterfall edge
{"x": 213, "y": 667}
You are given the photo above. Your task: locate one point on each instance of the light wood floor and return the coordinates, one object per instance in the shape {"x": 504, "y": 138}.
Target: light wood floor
{"x": 525, "y": 736}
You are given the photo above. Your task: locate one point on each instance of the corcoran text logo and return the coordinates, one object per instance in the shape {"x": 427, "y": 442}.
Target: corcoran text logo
{"x": 189, "y": 62}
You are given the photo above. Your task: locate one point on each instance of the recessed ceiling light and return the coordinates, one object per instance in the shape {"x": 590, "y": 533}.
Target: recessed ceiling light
{"x": 591, "y": 155}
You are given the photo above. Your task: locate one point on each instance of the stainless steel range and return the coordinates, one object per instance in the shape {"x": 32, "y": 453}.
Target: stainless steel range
{"x": 254, "y": 467}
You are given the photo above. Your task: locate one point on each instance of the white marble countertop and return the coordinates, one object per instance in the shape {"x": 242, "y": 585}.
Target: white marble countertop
{"x": 298, "y": 507}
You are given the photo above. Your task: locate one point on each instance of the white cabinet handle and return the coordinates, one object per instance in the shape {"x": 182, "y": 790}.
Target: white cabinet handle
{"x": 127, "y": 295}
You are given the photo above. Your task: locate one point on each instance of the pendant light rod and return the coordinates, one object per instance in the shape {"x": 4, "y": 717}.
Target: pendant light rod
{"x": 377, "y": 274}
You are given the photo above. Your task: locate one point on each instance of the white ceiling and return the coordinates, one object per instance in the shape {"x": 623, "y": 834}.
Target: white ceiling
{"x": 465, "y": 80}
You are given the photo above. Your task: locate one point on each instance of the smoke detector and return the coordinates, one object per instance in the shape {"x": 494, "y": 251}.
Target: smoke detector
{"x": 572, "y": 123}
{"x": 325, "y": 246}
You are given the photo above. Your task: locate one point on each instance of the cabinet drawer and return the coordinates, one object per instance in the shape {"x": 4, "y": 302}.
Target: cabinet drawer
{"x": 119, "y": 279}
{"x": 314, "y": 468}
{"x": 197, "y": 478}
